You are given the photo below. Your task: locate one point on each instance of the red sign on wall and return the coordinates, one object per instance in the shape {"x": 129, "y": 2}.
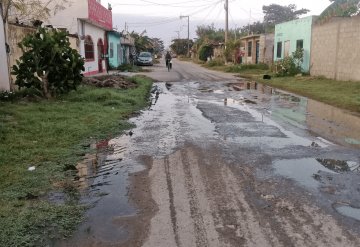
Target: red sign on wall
{"x": 99, "y": 14}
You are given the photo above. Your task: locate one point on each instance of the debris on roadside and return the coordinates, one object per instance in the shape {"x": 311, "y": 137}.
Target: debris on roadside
{"x": 31, "y": 168}
{"x": 111, "y": 81}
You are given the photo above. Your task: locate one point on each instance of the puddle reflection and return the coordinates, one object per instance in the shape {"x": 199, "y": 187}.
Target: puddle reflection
{"x": 305, "y": 171}
{"x": 348, "y": 211}
{"x": 301, "y": 170}
{"x": 332, "y": 123}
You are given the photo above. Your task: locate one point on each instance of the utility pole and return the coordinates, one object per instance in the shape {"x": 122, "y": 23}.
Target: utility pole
{"x": 188, "y": 41}
{"x": 178, "y": 41}
{"x": 226, "y": 20}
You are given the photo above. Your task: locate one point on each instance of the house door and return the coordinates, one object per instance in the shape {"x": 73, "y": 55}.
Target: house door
{"x": 287, "y": 48}
{"x": 119, "y": 53}
{"x": 100, "y": 47}
{"x": 257, "y": 52}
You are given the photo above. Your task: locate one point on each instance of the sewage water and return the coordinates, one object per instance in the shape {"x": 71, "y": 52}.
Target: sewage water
{"x": 301, "y": 170}
{"x": 332, "y": 123}
{"x": 349, "y": 211}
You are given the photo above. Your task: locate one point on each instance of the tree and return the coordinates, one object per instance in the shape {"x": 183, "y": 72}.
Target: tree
{"x": 255, "y": 28}
{"x": 29, "y": 10}
{"x": 158, "y": 45}
{"x": 275, "y": 14}
{"x": 179, "y": 46}
{"x": 48, "y": 63}
{"x": 210, "y": 32}
{"x": 142, "y": 43}
{"x": 341, "y": 8}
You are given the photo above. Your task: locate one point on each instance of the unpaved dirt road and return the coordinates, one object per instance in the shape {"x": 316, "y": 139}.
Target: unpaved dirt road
{"x": 217, "y": 161}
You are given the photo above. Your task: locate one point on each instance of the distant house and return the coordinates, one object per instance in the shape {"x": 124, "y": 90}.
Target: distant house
{"x": 292, "y": 35}
{"x": 90, "y": 21}
{"x": 258, "y": 48}
{"x": 336, "y": 49}
{"x": 127, "y": 47}
{"x": 115, "y": 51}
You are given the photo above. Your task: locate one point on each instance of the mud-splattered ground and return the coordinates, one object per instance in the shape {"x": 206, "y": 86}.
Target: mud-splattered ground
{"x": 220, "y": 162}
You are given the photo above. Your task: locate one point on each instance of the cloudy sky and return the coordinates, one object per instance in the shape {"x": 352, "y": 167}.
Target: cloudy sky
{"x": 160, "y": 18}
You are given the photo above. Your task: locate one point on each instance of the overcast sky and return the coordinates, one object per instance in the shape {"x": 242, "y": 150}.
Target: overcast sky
{"x": 160, "y": 18}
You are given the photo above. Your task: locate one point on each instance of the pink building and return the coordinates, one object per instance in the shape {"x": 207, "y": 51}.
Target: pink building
{"x": 90, "y": 21}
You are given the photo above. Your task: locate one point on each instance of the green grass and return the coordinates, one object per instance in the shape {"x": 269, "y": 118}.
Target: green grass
{"x": 52, "y": 135}
{"x": 343, "y": 94}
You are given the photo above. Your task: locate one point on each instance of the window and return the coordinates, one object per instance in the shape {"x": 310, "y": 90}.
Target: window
{"x": 89, "y": 48}
{"x": 249, "y": 48}
{"x": 299, "y": 44}
{"x": 111, "y": 50}
{"x": 279, "y": 49}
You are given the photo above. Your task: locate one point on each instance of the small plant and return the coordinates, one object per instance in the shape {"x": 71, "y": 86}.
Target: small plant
{"x": 7, "y": 96}
{"x": 215, "y": 62}
{"x": 291, "y": 65}
{"x": 48, "y": 63}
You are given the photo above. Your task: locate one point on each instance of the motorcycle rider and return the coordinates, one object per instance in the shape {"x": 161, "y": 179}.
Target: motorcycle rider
{"x": 168, "y": 58}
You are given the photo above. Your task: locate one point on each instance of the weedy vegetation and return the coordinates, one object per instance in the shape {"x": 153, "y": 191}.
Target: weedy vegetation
{"x": 52, "y": 135}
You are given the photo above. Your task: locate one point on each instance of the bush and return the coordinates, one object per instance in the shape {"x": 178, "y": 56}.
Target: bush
{"x": 242, "y": 67}
{"x": 205, "y": 52}
{"x": 7, "y": 96}
{"x": 291, "y": 65}
{"x": 215, "y": 62}
{"x": 48, "y": 63}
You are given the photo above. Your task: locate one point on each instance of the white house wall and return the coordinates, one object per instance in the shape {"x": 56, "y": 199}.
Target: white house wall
{"x": 92, "y": 67}
{"x": 4, "y": 73}
{"x": 68, "y": 18}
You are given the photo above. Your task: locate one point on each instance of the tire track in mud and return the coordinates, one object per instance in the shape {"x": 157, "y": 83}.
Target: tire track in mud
{"x": 206, "y": 234}
{"x": 171, "y": 200}
{"x": 203, "y": 201}
{"x": 236, "y": 221}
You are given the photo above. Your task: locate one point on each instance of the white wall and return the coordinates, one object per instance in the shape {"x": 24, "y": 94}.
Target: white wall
{"x": 96, "y": 34}
{"x": 68, "y": 18}
{"x": 4, "y": 72}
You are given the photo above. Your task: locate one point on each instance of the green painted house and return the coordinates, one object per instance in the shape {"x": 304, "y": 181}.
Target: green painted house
{"x": 292, "y": 35}
{"x": 115, "y": 50}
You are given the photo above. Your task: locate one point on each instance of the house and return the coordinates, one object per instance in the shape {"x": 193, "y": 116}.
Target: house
{"x": 258, "y": 48}
{"x": 335, "y": 49}
{"x": 128, "y": 48}
{"x": 90, "y": 21}
{"x": 292, "y": 35}
{"x": 115, "y": 50}
{"x": 4, "y": 71}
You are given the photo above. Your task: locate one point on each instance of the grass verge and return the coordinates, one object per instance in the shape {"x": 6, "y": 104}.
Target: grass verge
{"x": 343, "y": 94}
{"x": 51, "y": 135}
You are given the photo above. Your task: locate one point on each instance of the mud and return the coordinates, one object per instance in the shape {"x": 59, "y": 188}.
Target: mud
{"x": 215, "y": 161}
{"x": 112, "y": 81}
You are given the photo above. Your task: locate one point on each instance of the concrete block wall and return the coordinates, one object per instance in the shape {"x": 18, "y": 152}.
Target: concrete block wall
{"x": 4, "y": 72}
{"x": 336, "y": 49}
{"x": 16, "y": 34}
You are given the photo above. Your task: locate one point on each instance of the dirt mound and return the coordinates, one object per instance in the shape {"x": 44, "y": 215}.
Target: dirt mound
{"x": 112, "y": 81}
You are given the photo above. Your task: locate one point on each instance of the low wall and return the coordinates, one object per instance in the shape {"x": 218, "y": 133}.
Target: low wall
{"x": 17, "y": 33}
{"x": 335, "y": 49}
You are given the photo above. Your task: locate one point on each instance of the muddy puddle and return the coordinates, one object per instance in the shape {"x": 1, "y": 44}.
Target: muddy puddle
{"x": 348, "y": 211}
{"x": 246, "y": 120}
{"x": 320, "y": 119}
{"x": 310, "y": 172}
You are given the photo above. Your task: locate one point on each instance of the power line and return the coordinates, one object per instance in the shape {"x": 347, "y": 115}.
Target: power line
{"x": 170, "y": 20}
{"x": 173, "y": 5}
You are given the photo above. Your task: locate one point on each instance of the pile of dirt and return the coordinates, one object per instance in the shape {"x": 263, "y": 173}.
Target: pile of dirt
{"x": 112, "y": 81}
